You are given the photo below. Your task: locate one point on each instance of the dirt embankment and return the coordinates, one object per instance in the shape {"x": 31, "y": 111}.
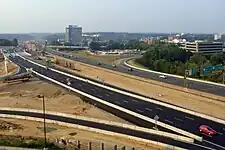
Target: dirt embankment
{"x": 57, "y": 99}
{"x": 12, "y": 68}
{"x": 190, "y": 99}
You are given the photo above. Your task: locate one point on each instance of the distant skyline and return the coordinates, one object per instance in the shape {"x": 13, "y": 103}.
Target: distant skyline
{"x": 135, "y": 16}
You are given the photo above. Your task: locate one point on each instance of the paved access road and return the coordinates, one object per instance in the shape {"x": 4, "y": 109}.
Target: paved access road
{"x": 107, "y": 128}
{"x": 167, "y": 115}
{"x": 204, "y": 87}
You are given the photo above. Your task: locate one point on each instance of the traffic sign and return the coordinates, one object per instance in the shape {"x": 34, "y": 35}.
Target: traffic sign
{"x": 212, "y": 68}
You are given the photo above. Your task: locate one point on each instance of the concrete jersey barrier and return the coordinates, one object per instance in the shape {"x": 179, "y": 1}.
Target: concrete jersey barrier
{"x": 171, "y": 75}
{"x": 136, "y": 96}
{"x": 167, "y": 146}
{"x": 113, "y": 105}
{"x": 122, "y": 109}
{"x": 121, "y": 125}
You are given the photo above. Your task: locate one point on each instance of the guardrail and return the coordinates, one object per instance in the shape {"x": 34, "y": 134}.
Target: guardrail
{"x": 167, "y": 146}
{"x": 172, "y": 75}
{"x": 112, "y": 123}
{"x": 113, "y": 105}
{"x": 137, "y": 96}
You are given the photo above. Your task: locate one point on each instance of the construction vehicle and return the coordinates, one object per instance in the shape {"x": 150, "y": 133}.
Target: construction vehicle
{"x": 20, "y": 77}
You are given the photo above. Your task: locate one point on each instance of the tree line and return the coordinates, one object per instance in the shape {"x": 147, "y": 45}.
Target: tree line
{"x": 169, "y": 58}
{"x": 112, "y": 45}
{"x": 6, "y": 42}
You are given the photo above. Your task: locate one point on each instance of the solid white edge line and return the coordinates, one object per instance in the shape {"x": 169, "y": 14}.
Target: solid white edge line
{"x": 137, "y": 96}
{"x": 117, "y": 107}
{"x": 112, "y": 123}
{"x": 93, "y": 130}
{"x": 176, "y": 76}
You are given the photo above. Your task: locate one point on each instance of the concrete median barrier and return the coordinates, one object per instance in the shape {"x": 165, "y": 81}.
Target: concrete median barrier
{"x": 111, "y": 123}
{"x": 122, "y": 109}
{"x": 167, "y": 146}
{"x": 172, "y": 75}
{"x": 188, "y": 134}
{"x": 136, "y": 96}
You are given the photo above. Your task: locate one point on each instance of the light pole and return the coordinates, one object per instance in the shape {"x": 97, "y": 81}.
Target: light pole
{"x": 43, "y": 106}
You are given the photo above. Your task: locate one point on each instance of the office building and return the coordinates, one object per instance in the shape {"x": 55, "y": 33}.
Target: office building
{"x": 73, "y": 35}
{"x": 204, "y": 47}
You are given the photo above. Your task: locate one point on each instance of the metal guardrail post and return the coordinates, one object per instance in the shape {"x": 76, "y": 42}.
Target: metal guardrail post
{"x": 115, "y": 147}
{"x": 89, "y": 145}
{"x": 102, "y": 146}
{"x": 78, "y": 144}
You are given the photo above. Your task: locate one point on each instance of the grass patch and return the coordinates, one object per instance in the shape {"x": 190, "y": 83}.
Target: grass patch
{"x": 108, "y": 59}
{"x": 134, "y": 63}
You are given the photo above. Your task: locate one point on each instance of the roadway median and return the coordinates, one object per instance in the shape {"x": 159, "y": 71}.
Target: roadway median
{"x": 137, "y": 96}
{"x": 92, "y": 130}
{"x": 115, "y": 106}
{"x": 111, "y": 123}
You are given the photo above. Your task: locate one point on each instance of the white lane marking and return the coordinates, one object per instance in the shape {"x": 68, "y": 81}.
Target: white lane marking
{"x": 99, "y": 96}
{"x": 178, "y": 119}
{"x": 169, "y": 121}
{"x": 141, "y": 111}
{"x": 107, "y": 95}
{"x": 209, "y": 148}
{"x": 159, "y": 108}
{"x": 148, "y": 109}
{"x": 125, "y": 101}
{"x": 92, "y": 90}
{"x": 214, "y": 144}
{"x": 117, "y": 102}
{"x": 219, "y": 133}
{"x": 189, "y": 118}
{"x": 110, "y": 92}
{"x": 134, "y": 100}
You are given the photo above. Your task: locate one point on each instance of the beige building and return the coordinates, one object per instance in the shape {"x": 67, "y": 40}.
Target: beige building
{"x": 204, "y": 47}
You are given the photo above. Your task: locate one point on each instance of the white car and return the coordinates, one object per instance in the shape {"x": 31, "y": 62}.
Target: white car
{"x": 163, "y": 76}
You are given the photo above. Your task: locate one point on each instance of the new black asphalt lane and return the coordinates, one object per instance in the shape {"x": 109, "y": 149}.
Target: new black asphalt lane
{"x": 204, "y": 87}
{"x": 106, "y": 127}
{"x": 178, "y": 119}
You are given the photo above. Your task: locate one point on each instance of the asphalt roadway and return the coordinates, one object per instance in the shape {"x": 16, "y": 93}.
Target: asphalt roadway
{"x": 167, "y": 115}
{"x": 204, "y": 87}
{"x": 116, "y": 129}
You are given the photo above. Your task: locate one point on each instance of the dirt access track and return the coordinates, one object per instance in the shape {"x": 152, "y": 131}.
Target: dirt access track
{"x": 35, "y": 130}
{"x": 57, "y": 99}
{"x": 172, "y": 94}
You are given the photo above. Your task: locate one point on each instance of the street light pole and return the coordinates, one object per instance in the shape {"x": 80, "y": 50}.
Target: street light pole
{"x": 43, "y": 106}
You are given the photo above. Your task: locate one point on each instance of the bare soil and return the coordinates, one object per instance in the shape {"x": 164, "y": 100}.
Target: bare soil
{"x": 34, "y": 129}
{"x": 109, "y": 59}
{"x": 187, "y": 98}
{"x": 24, "y": 95}
{"x": 12, "y": 68}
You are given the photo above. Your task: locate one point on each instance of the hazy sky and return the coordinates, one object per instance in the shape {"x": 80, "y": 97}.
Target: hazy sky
{"x": 20, "y": 16}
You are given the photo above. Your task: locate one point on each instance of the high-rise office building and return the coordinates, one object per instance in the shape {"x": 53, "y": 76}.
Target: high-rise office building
{"x": 73, "y": 35}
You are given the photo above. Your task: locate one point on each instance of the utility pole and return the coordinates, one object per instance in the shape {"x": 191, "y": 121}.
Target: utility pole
{"x": 43, "y": 106}
{"x": 223, "y": 74}
{"x": 185, "y": 77}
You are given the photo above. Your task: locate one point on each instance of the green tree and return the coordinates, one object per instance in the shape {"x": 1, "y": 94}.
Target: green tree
{"x": 95, "y": 46}
{"x": 15, "y": 42}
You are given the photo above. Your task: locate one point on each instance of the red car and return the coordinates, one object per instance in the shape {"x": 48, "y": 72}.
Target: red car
{"x": 207, "y": 130}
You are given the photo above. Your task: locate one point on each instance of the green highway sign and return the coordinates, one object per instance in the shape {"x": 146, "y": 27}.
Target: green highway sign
{"x": 212, "y": 68}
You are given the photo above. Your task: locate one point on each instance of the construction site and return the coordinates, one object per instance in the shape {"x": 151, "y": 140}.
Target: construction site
{"x": 22, "y": 90}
